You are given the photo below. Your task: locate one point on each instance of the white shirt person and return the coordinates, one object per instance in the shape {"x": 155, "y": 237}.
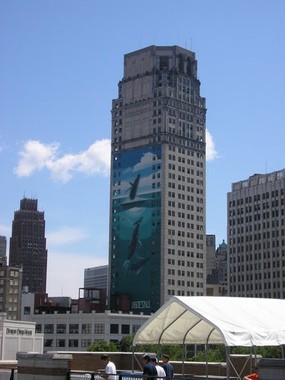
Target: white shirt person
{"x": 110, "y": 368}
{"x": 161, "y": 375}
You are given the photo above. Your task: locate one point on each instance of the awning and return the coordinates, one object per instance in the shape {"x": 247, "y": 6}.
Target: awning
{"x": 232, "y": 321}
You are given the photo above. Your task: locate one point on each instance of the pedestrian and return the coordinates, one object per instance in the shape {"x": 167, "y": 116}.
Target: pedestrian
{"x": 161, "y": 375}
{"x": 168, "y": 368}
{"x": 149, "y": 370}
{"x": 110, "y": 370}
{"x": 252, "y": 376}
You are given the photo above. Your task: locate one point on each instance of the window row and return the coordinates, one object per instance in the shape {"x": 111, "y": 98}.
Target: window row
{"x": 85, "y": 328}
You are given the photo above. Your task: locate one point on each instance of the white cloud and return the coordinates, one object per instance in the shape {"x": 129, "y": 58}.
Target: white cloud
{"x": 96, "y": 159}
{"x": 211, "y": 152}
{"x": 66, "y": 235}
{"x": 37, "y": 156}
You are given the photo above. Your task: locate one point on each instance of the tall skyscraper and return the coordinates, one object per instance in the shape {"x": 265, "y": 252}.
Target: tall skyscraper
{"x": 158, "y": 179}
{"x": 3, "y": 250}
{"x": 256, "y": 236}
{"x": 28, "y": 245}
{"x": 210, "y": 253}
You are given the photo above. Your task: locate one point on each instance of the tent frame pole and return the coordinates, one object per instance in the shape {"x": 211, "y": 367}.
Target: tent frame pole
{"x": 228, "y": 353}
{"x": 133, "y": 359}
{"x": 207, "y": 360}
{"x": 183, "y": 359}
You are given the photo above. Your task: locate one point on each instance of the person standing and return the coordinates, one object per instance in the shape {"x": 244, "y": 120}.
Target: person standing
{"x": 168, "y": 368}
{"x": 149, "y": 370}
{"x": 110, "y": 370}
{"x": 161, "y": 375}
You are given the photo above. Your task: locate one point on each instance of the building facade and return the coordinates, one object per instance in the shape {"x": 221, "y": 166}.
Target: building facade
{"x": 217, "y": 278}
{"x": 157, "y": 199}
{"x": 18, "y": 336}
{"x": 10, "y": 291}
{"x": 28, "y": 245}
{"x": 3, "y": 250}
{"x": 96, "y": 277}
{"x": 256, "y": 236}
{"x": 66, "y": 331}
{"x": 210, "y": 253}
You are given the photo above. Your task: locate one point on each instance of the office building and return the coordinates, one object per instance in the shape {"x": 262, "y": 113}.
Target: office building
{"x": 217, "y": 279}
{"x": 210, "y": 253}
{"x": 17, "y": 336}
{"x": 28, "y": 245}
{"x": 10, "y": 291}
{"x": 96, "y": 277}
{"x": 158, "y": 178}
{"x": 95, "y": 288}
{"x": 3, "y": 250}
{"x": 66, "y": 331}
{"x": 10, "y": 285}
{"x": 256, "y": 236}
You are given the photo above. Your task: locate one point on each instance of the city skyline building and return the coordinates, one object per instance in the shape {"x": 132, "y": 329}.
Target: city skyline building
{"x": 217, "y": 279}
{"x": 256, "y": 236}
{"x": 211, "y": 252}
{"x": 96, "y": 277}
{"x": 28, "y": 245}
{"x": 157, "y": 244}
{"x": 3, "y": 250}
{"x": 67, "y": 330}
{"x": 11, "y": 291}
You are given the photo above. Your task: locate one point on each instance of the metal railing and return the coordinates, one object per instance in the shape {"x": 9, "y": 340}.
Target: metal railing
{"x": 89, "y": 375}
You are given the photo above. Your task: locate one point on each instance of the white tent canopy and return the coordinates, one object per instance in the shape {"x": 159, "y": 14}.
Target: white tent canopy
{"x": 232, "y": 321}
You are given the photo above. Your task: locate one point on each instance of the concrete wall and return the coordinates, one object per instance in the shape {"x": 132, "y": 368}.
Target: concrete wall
{"x": 16, "y": 336}
{"x": 43, "y": 366}
{"x": 90, "y": 361}
{"x": 56, "y": 365}
{"x": 271, "y": 369}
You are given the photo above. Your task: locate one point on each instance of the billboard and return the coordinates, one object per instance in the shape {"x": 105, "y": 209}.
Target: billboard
{"x": 136, "y": 225}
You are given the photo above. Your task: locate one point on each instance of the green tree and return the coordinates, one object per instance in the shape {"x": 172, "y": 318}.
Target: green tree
{"x": 218, "y": 353}
{"x": 126, "y": 343}
{"x": 102, "y": 345}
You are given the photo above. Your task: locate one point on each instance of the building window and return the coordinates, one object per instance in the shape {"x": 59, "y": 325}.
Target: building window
{"x": 86, "y": 328}
{"x": 61, "y": 329}
{"x": 38, "y": 328}
{"x": 73, "y": 343}
{"x": 85, "y": 342}
{"x": 135, "y": 328}
{"x": 27, "y": 310}
{"x": 163, "y": 63}
{"x": 114, "y": 328}
{"x": 74, "y": 329}
{"x": 48, "y": 342}
{"x": 48, "y": 329}
{"x": 60, "y": 343}
{"x": 99, "y": 328}
{"x": 125, "y": 329}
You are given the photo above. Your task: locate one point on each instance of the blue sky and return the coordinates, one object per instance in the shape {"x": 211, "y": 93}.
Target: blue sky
{"x": 60, "y": 64}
